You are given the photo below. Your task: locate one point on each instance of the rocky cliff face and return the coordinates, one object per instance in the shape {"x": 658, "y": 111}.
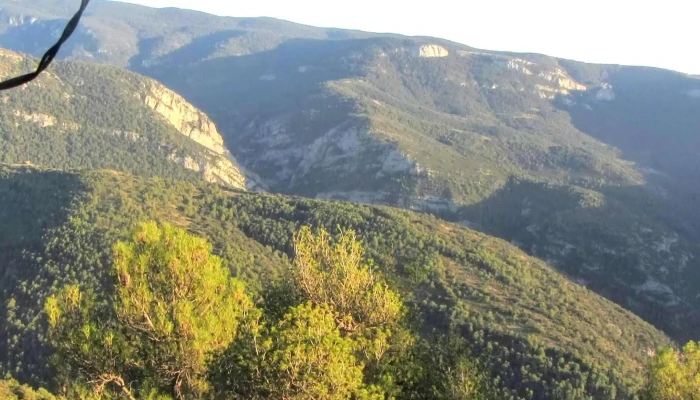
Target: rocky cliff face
{"x": 335, "y": 158}
{"x": 548, "y": 81}
{"x": 141, "y": 113}
{"x": 183, "y": 116}
{"x": 220, "y": 166}
{"x": 43, "y": 120}
{"x": 429, "y": 51}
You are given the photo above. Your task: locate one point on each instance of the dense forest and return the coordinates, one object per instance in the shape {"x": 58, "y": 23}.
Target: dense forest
{"x": 82, "y": 115}
{"x": 553, "y": 254}
{"x": 522, "y": 329}
{"x": 515, "y": 145}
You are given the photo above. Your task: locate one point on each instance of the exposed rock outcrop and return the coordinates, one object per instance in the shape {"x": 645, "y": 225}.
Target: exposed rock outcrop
{"x": 429, "y": 51}
{"x": 516, "y": 64}
{"x": 342, "y": 154}
{"x": 21, "y": 20}
{"x": 605, "y": 93}
{"x": 561, "y": 80}
{"x": 43, "y": 120}
{"x": 184, "y": 117}
{"x": 552, "y": 81}
{"x": 220, "y": 166}
{"x": 217, "y": 170}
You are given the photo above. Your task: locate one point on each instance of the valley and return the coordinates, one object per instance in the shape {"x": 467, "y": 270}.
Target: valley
{"x": 544, "y": 209}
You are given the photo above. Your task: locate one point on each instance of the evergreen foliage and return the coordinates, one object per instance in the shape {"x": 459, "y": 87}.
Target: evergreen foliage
{"x": 173, "y": 307}
{"x": 674, "y": 374}
{"x": 527, "y": 331}
{"x": 81, "y": 115}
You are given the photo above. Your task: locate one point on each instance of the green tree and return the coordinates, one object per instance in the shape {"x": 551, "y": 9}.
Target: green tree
{"x": 332, "y": 343}
{"x": 674, "y": 374}
{"x": 173, "y": 308}
{"x": 91, "y": 350}
{"x": 11, "y": 390}
{"x": 337, "y": 274}
{"x": 463, "y": 382}
{"x": 441, "y": 367}
{"x": 302, "y": 357}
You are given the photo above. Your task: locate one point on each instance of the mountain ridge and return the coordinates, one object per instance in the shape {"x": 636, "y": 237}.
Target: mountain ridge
{"x": 58, "y": 227}
{"x": 60, "y": 106}
{"x": 545, "y": 136}
{"x": 531, "y": 148}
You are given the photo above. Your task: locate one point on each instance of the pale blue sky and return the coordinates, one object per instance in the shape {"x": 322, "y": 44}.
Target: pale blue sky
{"x": 642, "y": 32}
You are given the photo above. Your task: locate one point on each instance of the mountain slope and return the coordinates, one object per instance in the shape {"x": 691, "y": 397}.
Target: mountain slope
{"x": 84, "y": 115}
{"x": 590, "y": 167}
{"x": 142, "y": 38}
{"x": 538, "y": 334}
{"x": 11, "y": 390}
{"x": 518, "y": 146}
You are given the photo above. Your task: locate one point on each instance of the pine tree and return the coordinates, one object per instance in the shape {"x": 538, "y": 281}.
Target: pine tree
{"x": 173, "y": 308}
{"x": 674, "y": 374}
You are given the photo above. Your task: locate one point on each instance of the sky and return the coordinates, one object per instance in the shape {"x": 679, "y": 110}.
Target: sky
{"x": 642, "y": 32}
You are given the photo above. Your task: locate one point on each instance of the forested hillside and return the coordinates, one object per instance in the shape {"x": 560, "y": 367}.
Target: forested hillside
{"x": 12, "y": 390}
{"x": 536, "y": 334}
{"x": 91, "y": 116}
{"x": 592, "y": 168}
{"x": 552, "y": 247}
{"x": 548, "y": 154}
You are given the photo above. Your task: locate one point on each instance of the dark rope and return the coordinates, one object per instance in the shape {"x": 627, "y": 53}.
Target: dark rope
{"x": 50, "y": 54}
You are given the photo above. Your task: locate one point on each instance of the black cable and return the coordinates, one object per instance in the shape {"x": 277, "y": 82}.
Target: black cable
{"x": 50, "y": 54}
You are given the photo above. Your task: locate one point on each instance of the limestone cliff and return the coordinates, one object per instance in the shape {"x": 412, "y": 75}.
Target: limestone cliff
{"x": 217, "y": 170}
{"x": 336, "y": 157}
{"x": 543, "y": 79}
{"x": 429, "y": 51}
{"x": 561, "y": 80}
{"x": 43, "y": 120}
{"x": 184, "y": 117}
{"x": 220, "y": 166}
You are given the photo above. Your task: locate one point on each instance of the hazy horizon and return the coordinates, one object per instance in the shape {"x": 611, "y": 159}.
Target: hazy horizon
{"x": 604, "y": 32}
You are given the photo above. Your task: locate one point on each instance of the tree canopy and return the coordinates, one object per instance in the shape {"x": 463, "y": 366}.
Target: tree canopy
{"x": 674, "y": 374}
{"x": 513, "y": 321}
{"x": 177, "y": 326}
{"x": 174, "y": 306}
